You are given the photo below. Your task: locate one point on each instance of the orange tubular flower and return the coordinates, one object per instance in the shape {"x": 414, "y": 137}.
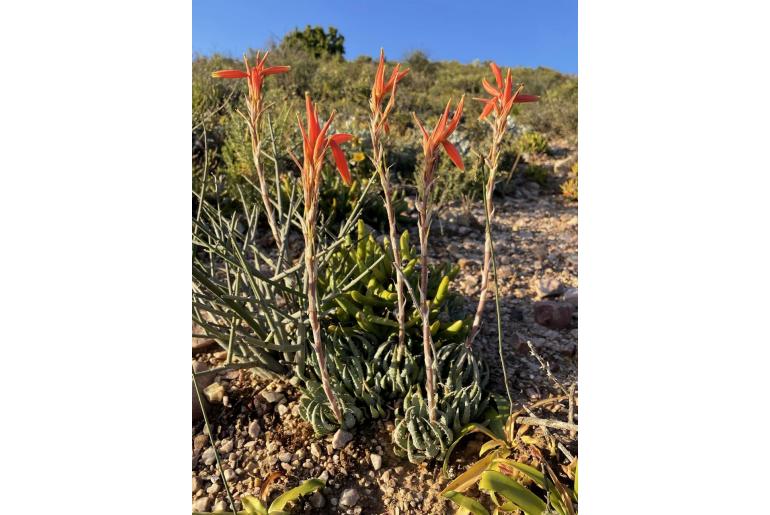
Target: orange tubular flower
{"x": 503, "y": 96}
{"x": 315, "y": 143}
{"x": 381, "y": 88}
{"x": 255, "y": 77}
{"x": 440, "y": 133}
{"x": 256, "y": 74}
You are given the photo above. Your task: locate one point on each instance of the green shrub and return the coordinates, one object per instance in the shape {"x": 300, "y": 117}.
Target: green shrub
{"x": 316, "y": 41}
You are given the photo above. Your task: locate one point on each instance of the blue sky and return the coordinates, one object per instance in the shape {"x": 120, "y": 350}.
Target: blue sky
{"x": 513, "y": 33}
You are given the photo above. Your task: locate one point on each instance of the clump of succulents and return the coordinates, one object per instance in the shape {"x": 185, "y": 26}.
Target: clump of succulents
{"x": 364, "y": 358}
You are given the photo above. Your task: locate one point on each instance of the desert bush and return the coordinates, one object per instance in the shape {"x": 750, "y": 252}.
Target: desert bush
{"x": 531, "y": 143}
{"x": 538, "y": 174}
{"x": 569, "y": 188}
{"x": 557, "y": 113}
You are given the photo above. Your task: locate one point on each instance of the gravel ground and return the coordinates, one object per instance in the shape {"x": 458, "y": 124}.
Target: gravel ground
{"x": 257, "y": 425}
{"x": 536, "y": 254}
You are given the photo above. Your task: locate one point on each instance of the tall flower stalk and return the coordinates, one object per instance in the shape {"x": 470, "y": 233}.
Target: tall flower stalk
{"x": 315, "y": 142}
{"x": 425, "y": 182}
{"x": 255, "y": 109}
{"x": 501, "y": 102}
{"x": 378, "y": 126}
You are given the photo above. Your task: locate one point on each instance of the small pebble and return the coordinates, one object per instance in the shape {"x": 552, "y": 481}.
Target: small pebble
{"x": 349, "y": 497}
{"x": 317, "y": 500}
{"x": 214, "y": 488}
{"x": 272, "y": 397}
{"x": 227, "y": 446}
{"x": 376, "y": 461}
{"x": 341, "y": 439}
{"x": 209, "y": 457}
{"x": 214, "y": 392}
{"x": 199, "y": 442}
{"x": 254, "y": 429}
{"x": 201, "y": 504}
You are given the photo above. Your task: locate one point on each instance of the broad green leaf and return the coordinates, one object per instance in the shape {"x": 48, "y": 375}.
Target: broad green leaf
{"x": 253, "y": 505}
{"x": 467, "y": 503}
{"x": 488, "y": 446}
{"x": 499, "y": 415}
{"x": 465, "y": 480}
{"x": 295, "y": 493}
{"x": 470, "y": 428}
{"x": 529, "y": 471}
{"x": 513, "y": 491}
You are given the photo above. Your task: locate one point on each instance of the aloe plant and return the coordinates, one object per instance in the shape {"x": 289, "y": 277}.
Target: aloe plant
{"x": 426, "y": 180}
{"x": 503, "y": 97}
{"x": 337, "y": 317}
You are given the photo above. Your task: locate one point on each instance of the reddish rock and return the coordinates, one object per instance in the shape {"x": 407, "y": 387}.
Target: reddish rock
{"x": 554, "y": 315}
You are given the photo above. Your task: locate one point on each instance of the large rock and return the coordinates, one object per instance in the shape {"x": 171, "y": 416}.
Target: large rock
{"x": 554, "y": 315}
